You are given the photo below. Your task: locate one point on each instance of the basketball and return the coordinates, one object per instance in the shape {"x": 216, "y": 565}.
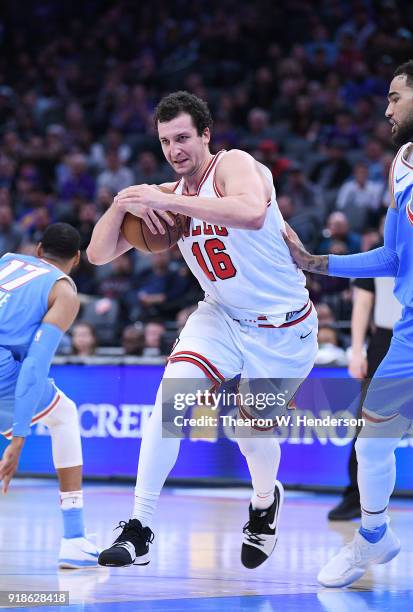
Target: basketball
{"x": 138, "y": 234}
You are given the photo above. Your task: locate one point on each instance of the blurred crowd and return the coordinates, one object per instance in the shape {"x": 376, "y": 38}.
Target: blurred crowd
{"x": 300, "y": 84}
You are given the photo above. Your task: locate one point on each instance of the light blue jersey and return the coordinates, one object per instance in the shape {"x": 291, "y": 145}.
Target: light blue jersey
{"x": 391, "y": 389}
{"x": 25, "y": 284}
{"x": 401, "y": 184}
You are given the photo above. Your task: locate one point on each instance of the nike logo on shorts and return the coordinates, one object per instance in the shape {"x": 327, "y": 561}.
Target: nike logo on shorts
{"x": 306, "y": 336}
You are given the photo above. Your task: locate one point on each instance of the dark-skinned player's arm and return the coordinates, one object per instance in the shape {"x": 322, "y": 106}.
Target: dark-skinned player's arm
{"x": 382, "y": 261}
{"x": 63, "y": 307}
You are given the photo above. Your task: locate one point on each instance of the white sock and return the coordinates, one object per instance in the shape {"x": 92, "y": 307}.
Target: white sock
{"x": 144, "y": 506}
{"x": 262, "y": 501}
{"x": 376, "y": 473}
{"x": 71, "y": 499}
{"x": 371, "y": 521}
{"x": 158, "y": 454}
{"x": 263, "y": 458}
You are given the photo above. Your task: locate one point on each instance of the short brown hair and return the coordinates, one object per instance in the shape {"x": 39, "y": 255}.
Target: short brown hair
{"x": 180, "y": 102}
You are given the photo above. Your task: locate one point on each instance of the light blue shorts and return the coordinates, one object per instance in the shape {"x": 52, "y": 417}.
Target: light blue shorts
{"x": 391, "y": 388}
{"x": 9, "y": 372}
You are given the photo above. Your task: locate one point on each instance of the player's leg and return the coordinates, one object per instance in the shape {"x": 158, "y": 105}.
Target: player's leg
{"x": 385, "y": 425}
{"x": 59, "y": 414}
{"x": 374, "y": 542}
{"x": 277, "y": 360}
{"x": 203, "y": 349}
{"x": 157, "y": 457}
{"x": 262, "y": 454}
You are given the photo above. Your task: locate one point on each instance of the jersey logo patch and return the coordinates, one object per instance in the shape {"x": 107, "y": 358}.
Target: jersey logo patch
{"x": 400, "y": 178}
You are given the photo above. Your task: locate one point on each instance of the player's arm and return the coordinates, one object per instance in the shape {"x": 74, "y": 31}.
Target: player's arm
{"x": 363, "y": 301}
{"x": 107, "y": 242}
{"x": 383, "y": 261}
{"x": 244, "y": 201}
{"x": 63, "y": 308}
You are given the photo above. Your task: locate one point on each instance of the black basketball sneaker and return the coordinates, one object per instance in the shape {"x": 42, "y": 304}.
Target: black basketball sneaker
{"x": 261, "y": 531}
{"x": 131, "y": 547}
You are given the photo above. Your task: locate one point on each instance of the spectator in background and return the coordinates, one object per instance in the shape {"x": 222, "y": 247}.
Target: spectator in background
{"x": 160, "y": 293}
{"x": 84, "y": 339}
{"x": 119, "y": 278}
{"x": 307, "y": 198}
{"x": 116, "y": 176}
{"x": 79, "y": 182}
{"x": 36, "y": 222}
{"x": 329, "y": 351}
{"x": 153, "y": 332}
{"x": 306, "y": 224}
{"x": 112, "y": 141}
{"x": 330, "y": 172}
{"x": 85, "y": 223}
{"x": 343, "y": 131}
{"x": 259, "y": 129}
{"x": 133, "y": 340}
{"x": 268, "y": 153}
{"x": 149, "y": 170}
{"x": 12, "y": 145}
{"x": 358, "y": 197}
{"x": 337, "y": 228}
{"x": 104, "y": 198}
{"x": 374, "y": 157}
{"x": 27, "y": 181}
{"x": 325, "y": 315}
{"x": 11, "y": 235}
{"x": 225, "y": 135}
{"x": 7, "y": 171}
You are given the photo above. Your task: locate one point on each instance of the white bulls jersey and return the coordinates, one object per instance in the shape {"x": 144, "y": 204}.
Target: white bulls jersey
{"x": 250, "y": 273}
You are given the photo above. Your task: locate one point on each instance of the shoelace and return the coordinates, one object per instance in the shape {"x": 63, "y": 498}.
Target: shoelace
{"x": 254, "y": 538}
{"x": 356, "y": 552}
{"x": 133, "y": 534}
{"x": 253, "y": 529}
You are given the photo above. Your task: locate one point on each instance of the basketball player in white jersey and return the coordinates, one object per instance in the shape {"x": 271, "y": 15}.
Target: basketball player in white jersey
{"x": 256, "y": 319}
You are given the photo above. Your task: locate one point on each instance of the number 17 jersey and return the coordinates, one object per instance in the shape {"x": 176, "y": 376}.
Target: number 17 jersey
{"x": 25, "y": 284}
{"x": 248, "y": 272}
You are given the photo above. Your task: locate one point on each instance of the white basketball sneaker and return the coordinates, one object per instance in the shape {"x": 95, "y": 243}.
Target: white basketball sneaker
{"x": 353, "y": 560}
{"x": 76, "y": 553}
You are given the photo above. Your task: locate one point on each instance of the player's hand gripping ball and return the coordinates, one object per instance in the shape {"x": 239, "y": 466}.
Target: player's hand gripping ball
{"x": 139, "y": 235}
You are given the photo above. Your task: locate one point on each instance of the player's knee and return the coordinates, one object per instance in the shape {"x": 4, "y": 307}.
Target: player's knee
{"x": 64, "y": 415}
{"x": 372, "y": 450}
{"x": 247, "y": 446}
{"x": 362, "y": 448}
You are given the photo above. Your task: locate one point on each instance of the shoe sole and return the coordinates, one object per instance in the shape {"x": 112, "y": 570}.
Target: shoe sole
{"x": 357, "y": 575}
{"x": 143, "y": 560}
{"x": 77, "y": 565}
{"x": 389, "y": 556}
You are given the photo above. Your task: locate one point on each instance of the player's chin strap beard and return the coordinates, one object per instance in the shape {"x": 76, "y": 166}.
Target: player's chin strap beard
{"x": 404, "y": 133}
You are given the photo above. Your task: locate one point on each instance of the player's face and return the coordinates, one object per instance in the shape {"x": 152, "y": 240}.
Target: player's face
{"x": 400, "y": 110}
{"x": 183, "y": 147}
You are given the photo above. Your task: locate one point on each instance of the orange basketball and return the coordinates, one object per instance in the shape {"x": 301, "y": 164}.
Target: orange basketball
{"x": 138, "y": 234}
